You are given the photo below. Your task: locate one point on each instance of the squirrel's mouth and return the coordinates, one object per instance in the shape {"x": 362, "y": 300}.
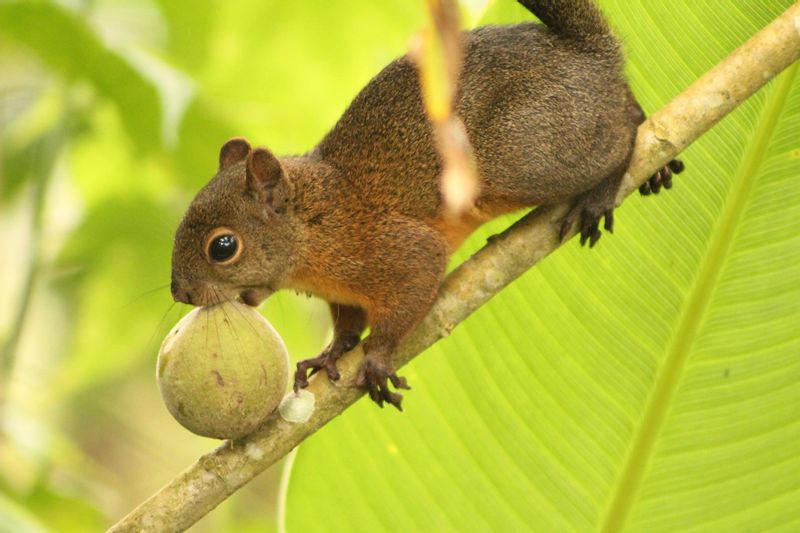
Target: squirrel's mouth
{"x": 253, "y": 297}
{"x": 207, "y": 294}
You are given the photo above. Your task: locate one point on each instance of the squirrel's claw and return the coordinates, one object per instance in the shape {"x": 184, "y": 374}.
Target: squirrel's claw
{"x": 376, "y": 380}
{"x": 325, "y": 361}
{"x": 588, "y": 224}
{"x": 398, "y": 382}
{"x": 589, "y": 208}
{"x": 598, "y": 203}
{"x": 662, "y": 178}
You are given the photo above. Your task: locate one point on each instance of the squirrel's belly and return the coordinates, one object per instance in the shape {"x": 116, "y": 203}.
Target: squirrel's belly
{"x": 455, "y": 230}
{"x": 324, "y": 286}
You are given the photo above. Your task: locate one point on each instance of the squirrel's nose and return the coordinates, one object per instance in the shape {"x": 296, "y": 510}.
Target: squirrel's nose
{"x": 178, "y": 294}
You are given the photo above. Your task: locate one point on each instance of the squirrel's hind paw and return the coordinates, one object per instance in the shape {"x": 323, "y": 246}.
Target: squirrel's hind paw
{"x": 662, "y": 178}
{"x": 591, "y": 206}
{"x": 587, "y": 216}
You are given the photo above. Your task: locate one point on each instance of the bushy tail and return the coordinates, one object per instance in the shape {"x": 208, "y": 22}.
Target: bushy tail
{"x": 580, "y": 20}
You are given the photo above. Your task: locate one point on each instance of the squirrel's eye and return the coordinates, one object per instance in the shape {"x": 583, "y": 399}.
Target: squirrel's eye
{"x": 222, "y": 246}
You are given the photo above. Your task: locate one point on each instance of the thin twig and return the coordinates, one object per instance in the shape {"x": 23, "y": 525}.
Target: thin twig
{"x": 218, "y": 474}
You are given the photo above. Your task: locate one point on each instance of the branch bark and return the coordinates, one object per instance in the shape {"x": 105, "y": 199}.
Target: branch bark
{"x": 219, "y": 473}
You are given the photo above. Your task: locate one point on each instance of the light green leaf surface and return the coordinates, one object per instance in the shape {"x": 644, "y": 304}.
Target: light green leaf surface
{"x": 650, "y": 384}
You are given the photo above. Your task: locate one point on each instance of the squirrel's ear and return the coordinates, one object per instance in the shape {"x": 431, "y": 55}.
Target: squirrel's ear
{"x": 266, "y": 179}
{"x": 233, "y": 151}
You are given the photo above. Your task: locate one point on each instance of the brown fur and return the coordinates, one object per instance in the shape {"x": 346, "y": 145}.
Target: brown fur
{"x": 358, "y": 221}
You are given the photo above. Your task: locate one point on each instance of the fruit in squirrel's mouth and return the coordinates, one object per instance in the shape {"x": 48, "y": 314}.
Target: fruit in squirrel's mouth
{"x": 222, "y": 370}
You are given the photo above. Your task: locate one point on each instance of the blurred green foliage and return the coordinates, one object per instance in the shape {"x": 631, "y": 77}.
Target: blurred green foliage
{"x": 118, "y": 108}
{"x": 115, "y": 110}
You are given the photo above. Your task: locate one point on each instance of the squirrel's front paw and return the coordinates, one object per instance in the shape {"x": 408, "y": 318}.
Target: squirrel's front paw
{"x": 375, "y": 377}
{"x": 325, "y": 361}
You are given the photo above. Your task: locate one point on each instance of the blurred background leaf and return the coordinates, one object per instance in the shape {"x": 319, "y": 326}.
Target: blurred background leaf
{"x": 68, "y": 45}
{"x": 142, "y": 94}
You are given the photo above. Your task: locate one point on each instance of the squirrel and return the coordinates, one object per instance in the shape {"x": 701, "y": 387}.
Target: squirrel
{"x": 359, "y": 220}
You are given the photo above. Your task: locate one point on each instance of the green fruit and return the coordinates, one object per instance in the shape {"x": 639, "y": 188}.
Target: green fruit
{"x": 222, "y": 370}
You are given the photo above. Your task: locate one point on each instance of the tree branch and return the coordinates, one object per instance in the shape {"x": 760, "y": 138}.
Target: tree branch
{"x": 218, "y": 474}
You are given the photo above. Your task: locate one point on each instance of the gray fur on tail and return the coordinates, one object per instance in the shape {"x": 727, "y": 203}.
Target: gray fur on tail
{"x": 579, "y": 20}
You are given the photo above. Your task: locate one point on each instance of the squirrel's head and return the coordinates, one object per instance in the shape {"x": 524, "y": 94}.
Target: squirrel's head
{"x": 235, "y": 241}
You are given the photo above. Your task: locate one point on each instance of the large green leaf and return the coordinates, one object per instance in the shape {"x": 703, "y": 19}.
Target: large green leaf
{"x": 650, "y": 384}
